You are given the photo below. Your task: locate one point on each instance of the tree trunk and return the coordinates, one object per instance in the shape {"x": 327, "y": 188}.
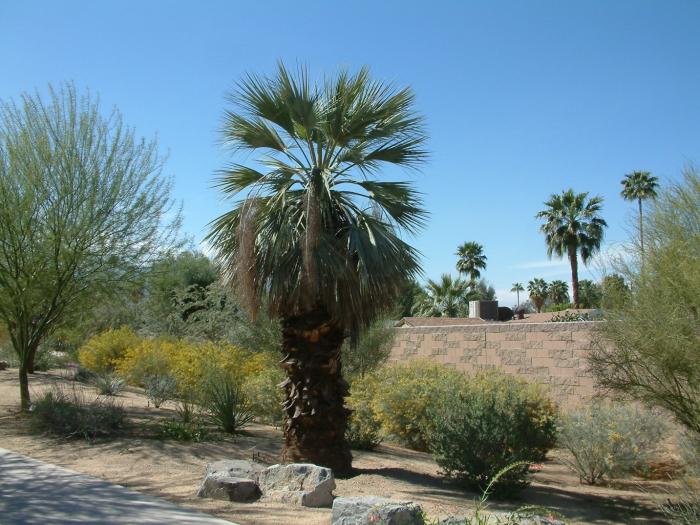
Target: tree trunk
{"x": 574, "y": 274}
{"x": 30, "y": 360}
{"x": 314, "y": 430}
{"x": 24, "y": 386}
{"x": 641, "y": 228}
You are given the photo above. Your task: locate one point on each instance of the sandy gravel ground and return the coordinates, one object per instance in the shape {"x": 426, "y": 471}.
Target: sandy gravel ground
{"x": 173, "y": 470}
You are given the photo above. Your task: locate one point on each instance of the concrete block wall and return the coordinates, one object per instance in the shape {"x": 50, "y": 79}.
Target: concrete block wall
{"x": 552, "y": 354}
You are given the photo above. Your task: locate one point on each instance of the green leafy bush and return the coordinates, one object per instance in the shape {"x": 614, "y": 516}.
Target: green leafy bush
{"x": 408, "y": 392}
{"x": 609, "y": 440}
{"x": 108, "y": 384}
{"x": 572, "y": 317}
{"x": 72, "y": 415}
{"x": 160, "y": 389}
{"x": 224, "y": 401}
{"x": 363, "y": 431}
{"x": 492, "y": 422}
{"x": 558, "y": 307}
{"x": 183, "y": 431}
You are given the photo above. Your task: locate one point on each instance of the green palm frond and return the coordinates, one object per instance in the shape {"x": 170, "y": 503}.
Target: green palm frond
{"x": 314, "y": 225}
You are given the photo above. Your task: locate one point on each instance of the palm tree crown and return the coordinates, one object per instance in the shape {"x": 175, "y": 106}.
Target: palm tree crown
{"x": 572, "y": 226}
{"x": 471, "y": 259}
{"x": 316, "y": 227}
{"x": 639, "y": 186}
{"x": 538, "y": 290}
{"x": 559, "y": 292}
{"x": 444, "y": 298}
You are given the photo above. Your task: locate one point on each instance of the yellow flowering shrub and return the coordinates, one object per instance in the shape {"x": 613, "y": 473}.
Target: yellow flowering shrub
{"x": 151, "y": 357}
{"x": 103, "y": 353}
{"x": 408, "y": 391}
{"x": 189, "y": 362}
{"x": 363, "y": 431}
{"x": 264, "y": 393}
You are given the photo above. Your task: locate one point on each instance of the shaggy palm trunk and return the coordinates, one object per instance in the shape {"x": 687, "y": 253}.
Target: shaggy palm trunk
{"x": 314, "y": 430}
{"x": 574, "y": 274}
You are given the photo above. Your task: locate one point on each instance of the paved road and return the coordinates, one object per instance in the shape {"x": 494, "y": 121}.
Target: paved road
{"x": 36, "y": 493}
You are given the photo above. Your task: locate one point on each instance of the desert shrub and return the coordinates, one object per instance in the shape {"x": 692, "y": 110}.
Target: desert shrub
{"x": 683, "y": 506}
{"x": 104, "y": 352}
{"x": 179, "y": 430}
{"x": 226, "y": 404}
{"x": 369, "y": 351}
{"x": 108, "y": 384}
{"x": 489, "y": 424}
{"x": 363, "y": 431}
{"x": 160, "y": 389}
{"x": 72, "y": 415}
{"x": 408, "y": 391}
{"x": 609, "y": 440}
{"x": 572, "y": 317}
{"x": 264, "y": 394}
{"x": 558, "y": 307}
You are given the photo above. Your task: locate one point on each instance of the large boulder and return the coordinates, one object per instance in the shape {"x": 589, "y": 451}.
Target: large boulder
{"x": 229, "y": 489}
{"x": 231, "y": 480}
{"x": 298, "y": 484}
{"x": 369, "y": 510}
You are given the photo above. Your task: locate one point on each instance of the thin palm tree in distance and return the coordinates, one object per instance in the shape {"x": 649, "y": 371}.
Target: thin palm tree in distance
{"x": 517, "y": 288}
{"x": 316, "y": 232}
{"x": 471, "y": 259}
{"x": 639, "y": 186}
{"x": 573, "y": 226}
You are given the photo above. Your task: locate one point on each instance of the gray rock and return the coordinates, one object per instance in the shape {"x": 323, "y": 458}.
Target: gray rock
{"x": 369, "y": 510}
{"x": 228, "y": 488}
{"x": 231, "y": 480}
{"x": 301, "y": 484}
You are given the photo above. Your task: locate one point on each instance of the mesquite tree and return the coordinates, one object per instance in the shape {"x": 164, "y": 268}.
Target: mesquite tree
{"x": 317, "y": 231}
{"x": 82, "y": 209}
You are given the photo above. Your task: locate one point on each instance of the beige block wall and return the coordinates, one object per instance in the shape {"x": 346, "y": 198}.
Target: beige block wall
{"x": 552, "y": 354}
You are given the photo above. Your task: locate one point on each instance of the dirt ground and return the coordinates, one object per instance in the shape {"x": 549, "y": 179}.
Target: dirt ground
{"x": 173, "y": 470}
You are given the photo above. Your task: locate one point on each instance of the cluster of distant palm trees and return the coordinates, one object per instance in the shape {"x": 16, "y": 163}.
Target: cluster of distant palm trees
{"x": 573, "y": 226}
{"x": 449, "y": 296}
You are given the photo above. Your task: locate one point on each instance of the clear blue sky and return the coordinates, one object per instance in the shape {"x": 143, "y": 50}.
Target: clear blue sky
{"x": 522, "y": 98}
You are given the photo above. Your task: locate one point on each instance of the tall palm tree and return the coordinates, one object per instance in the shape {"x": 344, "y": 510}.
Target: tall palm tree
{"x": 517, "y": 288}
{"x": 471, "y": 259}
{"x": 559, "y": 292}
{"x": 444, "y": 298}
{"x": 316, "y": 231}
{"x": 573, "y": 225}
{"x": 538, "y": 290}
{"x": 639, "y": 186}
